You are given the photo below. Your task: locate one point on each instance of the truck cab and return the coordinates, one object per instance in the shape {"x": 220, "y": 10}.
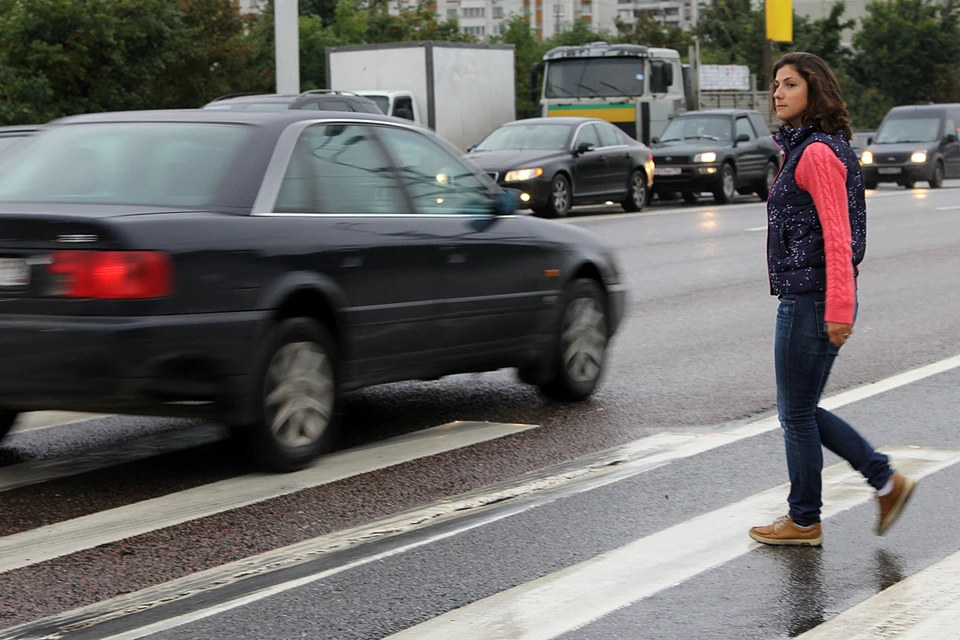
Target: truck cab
{"x": 637, "y": 88}
{"x": 396, "y": 103}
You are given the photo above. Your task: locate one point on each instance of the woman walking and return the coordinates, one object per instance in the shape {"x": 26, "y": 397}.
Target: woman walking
{"x": 816, "y": 214}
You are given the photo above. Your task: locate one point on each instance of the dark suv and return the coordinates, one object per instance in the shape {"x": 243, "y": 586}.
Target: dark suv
{"x": 723, "y": 151}
{"x": 317, "y": 100}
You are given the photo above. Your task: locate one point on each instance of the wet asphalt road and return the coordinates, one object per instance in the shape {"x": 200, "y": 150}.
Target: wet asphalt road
{"x": 694, "y": 354}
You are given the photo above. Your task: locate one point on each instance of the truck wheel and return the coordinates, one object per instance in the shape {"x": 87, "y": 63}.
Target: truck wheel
{"x": 7, "y": 420}
{"x": 579, "y": 346}
{"x": 869, "y": 184}
{"x": 691, "y": 197}
{"x": 728, "y": 185}
{"x": 560, "y": 197}
{"x": 297, "y": 396}
{"x": 937, "y": 181}
{"x": 769, "y": 176}
{"x": 637, "y": 192}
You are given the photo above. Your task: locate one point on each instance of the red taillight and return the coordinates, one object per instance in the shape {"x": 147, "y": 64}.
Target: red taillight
{"x": 111, "y": 275}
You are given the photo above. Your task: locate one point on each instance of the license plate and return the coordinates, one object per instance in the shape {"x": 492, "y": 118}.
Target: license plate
{"x": 667, "y": 171}
{"x": 14, "y": 273}
{"x": 889, "y": 170}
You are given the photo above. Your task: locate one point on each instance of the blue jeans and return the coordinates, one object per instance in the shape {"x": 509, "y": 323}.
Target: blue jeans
{"x": 804, "y": 355}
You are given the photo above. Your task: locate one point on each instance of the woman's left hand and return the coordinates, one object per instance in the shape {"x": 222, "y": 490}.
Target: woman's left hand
{"x": 839, "y": 332}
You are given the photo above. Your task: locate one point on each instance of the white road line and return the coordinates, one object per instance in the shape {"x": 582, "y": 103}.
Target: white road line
{"x": 63, "y": 538}
{"x": 925, "y": 606}
{"x": 950, "y": 208}
{"x": 649, "y": 453}
{"x": 36, "y": 420}
{"x": 763, "y": 228}
{"x": 573, "y": 597}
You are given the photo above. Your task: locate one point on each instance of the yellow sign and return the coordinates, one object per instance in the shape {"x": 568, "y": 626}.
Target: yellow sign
{"x": 779, "y": 20}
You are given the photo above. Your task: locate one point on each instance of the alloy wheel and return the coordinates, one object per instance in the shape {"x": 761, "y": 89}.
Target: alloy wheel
{"x": 583, "y": 339}
{"x": 299, "y": 394}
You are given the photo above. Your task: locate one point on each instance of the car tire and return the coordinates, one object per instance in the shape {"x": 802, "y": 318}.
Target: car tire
{"x": 637, "y": 192}
{"x": 869, "y": 184}
{"x": 298, "y": 375}
{"x": 937, "y": 180}
{"x": 690, "y": 197}
{"x": 908, "y": 184}
{"x": 765, "y": 185}
{"x": 561, "y": 197}
{"x": 728, "y": 185}
{"x": 7, "y": 420}
{"x": 578, "y": 346}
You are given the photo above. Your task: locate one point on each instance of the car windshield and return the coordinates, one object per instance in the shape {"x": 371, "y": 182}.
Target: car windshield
{"x": 382, "y": 102}
{"x": 523, "y": 137}
{"x": 154, "y": 164}
{"x": 717, "y": 128}
{"x": 594, "y": 77}
{"x": 908, "y": 130}
{"x": 252, "y": 106}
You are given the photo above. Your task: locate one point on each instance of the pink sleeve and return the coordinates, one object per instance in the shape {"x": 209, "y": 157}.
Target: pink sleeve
{"x": 821, "y": 174}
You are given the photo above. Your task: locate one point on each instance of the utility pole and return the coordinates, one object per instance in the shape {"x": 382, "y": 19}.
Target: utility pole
{"x": 286, "y": 33}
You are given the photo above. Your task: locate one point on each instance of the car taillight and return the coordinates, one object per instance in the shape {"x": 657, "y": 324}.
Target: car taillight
{"x": 111, "y": 275}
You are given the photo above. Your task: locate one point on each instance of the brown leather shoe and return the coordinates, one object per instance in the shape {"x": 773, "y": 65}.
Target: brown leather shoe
{"x": 892, "y": 504}
{"x": 784, "y": 531}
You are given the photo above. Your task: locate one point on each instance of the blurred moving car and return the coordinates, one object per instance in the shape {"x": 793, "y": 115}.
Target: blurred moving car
{"x": 913, "y": 144}
{"x": 252, "y": 266}
{"x": 314, "y": 100}
{"x": 559, "y": 162}
{"x": 861, "y": 139}
{"x": 723, "y": 151}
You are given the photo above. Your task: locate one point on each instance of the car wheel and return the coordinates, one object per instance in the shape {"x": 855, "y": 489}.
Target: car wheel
{"x": 728, "y": 185}
{"x": 298, "y": 394}
{"x": 769, "y": 176}
{"x": 907, "y": 184}
{"x": 937, "y": 181}
{"x": 690, "y": 197}
{"x": 637, "y": 194}
{"x": 560, "y": 197}
{"x": 7, "y": 420}
{"x": 579, "y": 345}
{"x": 869, "y": 184}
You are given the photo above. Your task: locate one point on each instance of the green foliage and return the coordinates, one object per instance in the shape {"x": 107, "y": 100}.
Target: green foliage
{"x": 651, "y": 32}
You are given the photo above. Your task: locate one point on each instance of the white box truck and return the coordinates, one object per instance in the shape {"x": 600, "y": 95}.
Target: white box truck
{"x": 461, "y": 91}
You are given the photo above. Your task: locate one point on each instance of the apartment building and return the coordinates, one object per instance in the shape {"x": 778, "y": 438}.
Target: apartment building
{"x": 483, "y": 18}
{"x": 678, "y": 13}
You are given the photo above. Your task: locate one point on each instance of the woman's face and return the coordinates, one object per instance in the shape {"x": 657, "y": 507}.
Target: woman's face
{"x": 790, "y": 95}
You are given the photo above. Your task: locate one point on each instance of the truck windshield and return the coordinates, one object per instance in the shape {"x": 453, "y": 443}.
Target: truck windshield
{"x": 594, "y": 78}
{"x": 909, "y": 130}
{"x": 521, "y": 137}
{"x": 150, "y": 163}
{"x": 718, "y": 128}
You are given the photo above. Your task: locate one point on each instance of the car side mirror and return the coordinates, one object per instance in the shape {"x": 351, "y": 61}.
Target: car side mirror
{"x": 507, "y": 202}
{"x": 870, "y": 140}
{"x": 584, "y": 147}
{"x": 743, "y": 137}
{"x": 655, "y": 140}
{"x": 951, "y": 138}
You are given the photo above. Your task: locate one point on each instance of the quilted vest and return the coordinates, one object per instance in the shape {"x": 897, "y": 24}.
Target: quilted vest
{"x": 795, "y": 255}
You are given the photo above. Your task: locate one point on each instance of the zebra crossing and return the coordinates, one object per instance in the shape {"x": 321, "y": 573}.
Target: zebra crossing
{"x": 644, "y": 540}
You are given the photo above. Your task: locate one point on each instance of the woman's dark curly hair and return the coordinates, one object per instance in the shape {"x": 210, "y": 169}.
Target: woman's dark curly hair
{"x": 824, "y": 100}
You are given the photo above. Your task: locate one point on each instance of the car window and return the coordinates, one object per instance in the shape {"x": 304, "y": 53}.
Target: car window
{"x": 334, "y": 105}
{"x": 403, "y": 108}
{"x": 744, "y": 127}
{"x": 435, "y": 179}
{"x": 339, "y": 169}
{"x": 587, "y": 134}
{"x": 951, "y": 127}
{"x": 311, "y": 106}
{"x": 608, "y": 135}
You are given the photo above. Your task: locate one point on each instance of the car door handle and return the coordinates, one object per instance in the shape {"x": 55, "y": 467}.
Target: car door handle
{"x": 349, "y": 259}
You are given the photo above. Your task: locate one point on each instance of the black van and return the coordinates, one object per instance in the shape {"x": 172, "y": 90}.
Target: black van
{"x": 914, "y": 144}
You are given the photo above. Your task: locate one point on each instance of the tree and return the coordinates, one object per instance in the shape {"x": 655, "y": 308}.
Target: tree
{"x": 528, "y": 51}
{"x": 909, "y": 51}
{"x": 653, "y": 33}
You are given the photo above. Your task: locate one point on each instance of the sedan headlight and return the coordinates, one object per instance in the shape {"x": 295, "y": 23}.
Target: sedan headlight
{"x": 709, "y": 156}
{"x": 919, "y": 157}
{"x": 866, "y": 157}
{"x": 519, "y": 175}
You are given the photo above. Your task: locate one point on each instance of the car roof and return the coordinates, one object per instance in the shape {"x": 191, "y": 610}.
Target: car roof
{"x": 23, "y": 128}
{"x": 226, "y": 116}
{"x": 261, "y": 97}
{"x": 568, "y": 120}
{"x": 717, "y": 112}
{"x": 920, "y": 109}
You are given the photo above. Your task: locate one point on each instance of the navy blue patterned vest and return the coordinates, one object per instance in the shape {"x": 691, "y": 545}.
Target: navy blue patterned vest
{"x": 795, "y": 254}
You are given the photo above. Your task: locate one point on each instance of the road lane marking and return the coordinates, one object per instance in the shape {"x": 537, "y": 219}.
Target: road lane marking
{"x": 63, "y": 538}
{"x": 37, "y": 420}
{"x": 950, "y": 208}
{"x": 763, "y": 228}
{"x": 576, "y": 596}
{"x": 925, "y": 605}
{"x": 619, "y": 462}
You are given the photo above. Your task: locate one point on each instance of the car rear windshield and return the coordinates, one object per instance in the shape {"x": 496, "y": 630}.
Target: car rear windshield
{"x": 521, "y": 137}
{"x": 909, "y": 130}
{"x": 156, "y": 164}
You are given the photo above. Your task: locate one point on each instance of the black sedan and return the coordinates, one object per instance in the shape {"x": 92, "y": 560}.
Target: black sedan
{"x": 723, "y": 151}
{"x": 251, "y": 267}
{"x": 556, "y": 163}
